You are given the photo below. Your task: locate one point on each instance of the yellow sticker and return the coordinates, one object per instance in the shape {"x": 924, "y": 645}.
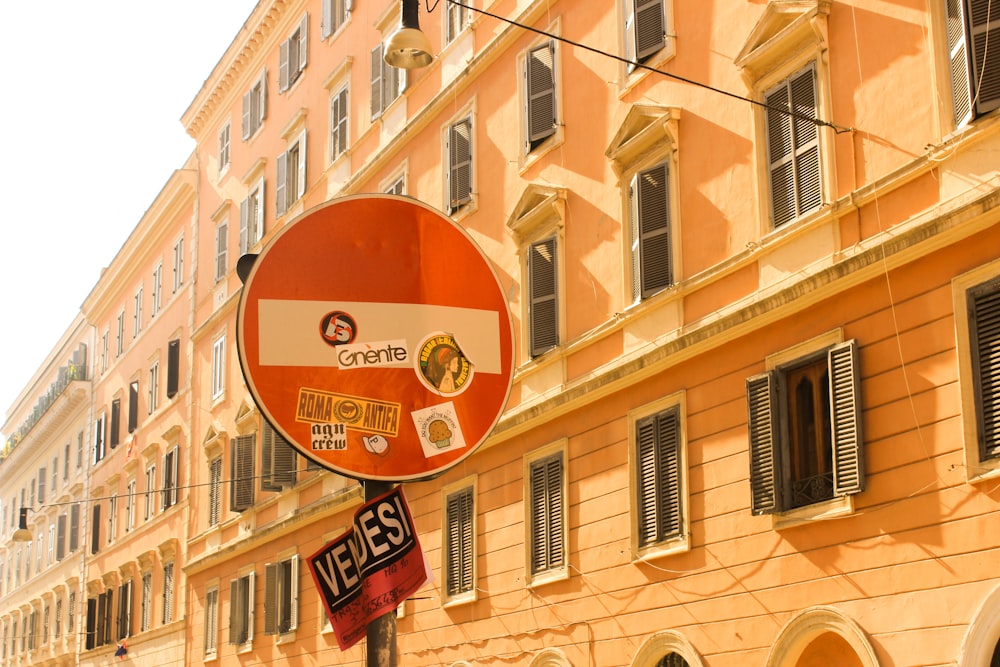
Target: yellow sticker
{"x": 356, "y": 413}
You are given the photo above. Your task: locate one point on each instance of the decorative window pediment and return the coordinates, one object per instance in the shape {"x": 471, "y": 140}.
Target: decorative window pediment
{"x": 786, "y": 27}
{"x": 643, "y": 131}
{"x": 539, "y": 204}
{"x": 246, "y": 417}
{"x": 214, "y": 439}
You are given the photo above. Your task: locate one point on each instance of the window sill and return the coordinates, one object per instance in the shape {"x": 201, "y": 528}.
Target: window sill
{"x": 531, "y": 158}
{"x": 673, "y": 546}
{"x": 459, "y": 600}
{"x": 548, "y": 577}
{"x": 828, "y": 509}
{"x": 983, "y": 470}
{"x": 285, "y": 637}
{"x": 656, "y": 61}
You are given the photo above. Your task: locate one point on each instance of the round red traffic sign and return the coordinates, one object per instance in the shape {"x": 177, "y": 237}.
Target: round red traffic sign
{"x": 374, "y": 336}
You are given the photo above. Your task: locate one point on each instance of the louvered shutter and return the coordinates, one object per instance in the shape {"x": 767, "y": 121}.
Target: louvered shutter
{"x": 283, "y": 65}
{"x": 793, "y": 147}
{"x": 244, "y": 226}
{"x": 303, "y": 42}
{"x": 114, "y": 436}
{"x": 300, "y": 181}
{"x": 543, "y": 307}
{"x": 258, "y": 221}
{"x": 250, "y": 580}
{"x": 91, "y": 639}
{"x": 659, "y": 476}
{"x": 41, "y": 485}
{"x": 547, "y": 514}
{"x": 271, "y": 598}
{"x": 984, "y": 334}
{"x": 95, "y": 530}
{"x": 171, "y": 481}
{"x": 133, "y": 406}
{"x": 173, "y": 368}
{"x": 459, "y": 542}
{"x": 376, "y": 82}
{"x": 649, "y": 28}
{"x": 541, "y": 93}
{"x": 241, "y": 484}
{"x": 278, "y": 460}
{"x": 984, "y": 22}
{"x": 60, "y": 537}
{"x": 845, "y": 413}
{"x": 246, "y": 127}
{"x": 280, "y": 192}
{"x": 460, "y": 163}
{"x": 293, "y": 593}
{"x": 761, "y": 423}
{"x": 958, "y": 61}
{"x": 651, "y": 190}
{"x": 338, "y": 124}
{"x": 326, "y": 19}
{"x": 214, "y": 491}
{"x": 236, "y": 605}
{"x": 262, "y": 99}
{"x": 74, "y": 528}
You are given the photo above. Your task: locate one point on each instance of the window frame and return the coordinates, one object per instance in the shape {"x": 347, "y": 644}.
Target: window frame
{"x": 254, "y": 107}
{"x": 281, "y": 597}
{"x": 224, "y": 155}
{"x": 541, "y": 98}
{"x": 252, "y": 217}
{"x": 464, "y": 541}
{"x": 218, "y": 368}
{"x": 293, "y": 55}
{"x": 211, "y": 637}
{"x": 340, "y": 122}
{"x": 290, "y": 175}
{"x": 960, "y": 37}
{"x": 649, "y": 55}
{"x": 335, "y": 15}
{"x": 241, "y": 486}
{"x": 554, "y": 459}
{"x": 221, "y": 249}
{"x": 460, "y": 171}
{"x": 241, "y": 610}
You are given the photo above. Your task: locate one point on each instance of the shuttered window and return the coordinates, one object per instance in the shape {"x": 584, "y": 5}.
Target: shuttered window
{"x": 972, "y": 25}
{"x": 805, "y": 437}
{"x": 291, "y": 175}
{"x": 984, "y": 332}
{"x": 171, "y": 469}
{"x": 459, "y": 542}
{"x": 168, "y": 593}
{"x": 214, "y": 491}
{"x": 124, "y": 617}
{"x": 281, "y": 596}
{"x": 174, "y": 362}
{"x": 241, "y": 601}
{"x": 74, "y": 528}
{"x": 293, "y": 54}
{"x": 543, "y": 307}
{"x": 387, "y": 82}
{"x": 254, "y": 107}
{"x": 335, "y": 13}
{"x": 114, "y": 431}
{"x": 645, "y": 30}
{"x": 546, "y": 514}
{"x": 95, "y": 530}
{"x": 540, "y": 89}
{"x": 278, "y": 460}
{"x": 793, "y": 147}
{"x": 241, "y": 472}
{"x": 649, "y": 199}
{"x": 146, "y": 619}
{"x": 459, "y": 152}
{"x": 339, "y": 111}
{"x": 252, "y": 218}
{"x": 658, "y": 470}
{"x": 211, "y": 620}
{"x": 133, "y": 405}
{"x": 61, "y": 537}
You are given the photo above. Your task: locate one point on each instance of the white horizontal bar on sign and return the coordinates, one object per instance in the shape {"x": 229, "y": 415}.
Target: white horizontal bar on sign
{"x": 290, "y": 335}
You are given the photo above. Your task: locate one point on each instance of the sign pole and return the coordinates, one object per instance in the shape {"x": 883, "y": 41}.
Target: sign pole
{"x": 381, "y": 632}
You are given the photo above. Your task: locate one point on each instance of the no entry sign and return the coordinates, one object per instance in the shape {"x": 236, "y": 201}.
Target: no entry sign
{"x": 375, "y": 337}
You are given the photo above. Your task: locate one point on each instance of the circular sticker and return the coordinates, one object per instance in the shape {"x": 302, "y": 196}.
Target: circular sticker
{"x": 441, "y": 365}
{"x": 338, "y": 328}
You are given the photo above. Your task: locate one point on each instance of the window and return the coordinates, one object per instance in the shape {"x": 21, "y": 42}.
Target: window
{"x": 105, "y": 349}
{"x": 459, "y": 549}
{"x": 154, "y": 387}
{"x": 224, "y": 149}
{"x": 95, "y": 529}
{"x": 173, "y": 367}
{"x": 397, "y": 186}
{"x": 543, "y": 311}
{"x": 658, "y": 474}
{"x": 137, "y": 312}
{"x": 178, "y": 264}
{"x": 252, "y": 217}
{"x": 156, "y": 286}
{"x": 71, "y": 613}
{"x": 42, "y": 477}
{"x": 146, "y": 609}
{"x": 539, "y": 95}
{"x": 57, "y": 619}
{"x": 339, "y": 112}
{"x": 545, "y": 495}
{"x": 55, "y": 474}
{"x": 241, "y": 473}
{"x": 241, "y": 609}
{"x": 281, "y": 596}
{"x": 133, "y": 405}
{"x": 211, "y": 621}
{"x": 335, "y": 13}
{"x": 120, "y": 339}
{"x": 793, "y": 147}
{"x": 168, "y": 593}
{"x": 112, "y": 518}
{"x": 130, "y": 505}
{"x": 975, "y": 68}
{"x": 291, "y": 175}
{"x": 221, "y": 250}
{"x": 74, "y": 527}
{"x": 254, "y": 106}
{"x": 170, "y": 480}
{"x": 649, "y": 211}
{"x": 458, "y": 151}
{"x": 805, "y": 430}
{"x": 218, "y": 367}
{"x": 214, "y": 490}
{"x": 114, "y": 429}
{"x": 61, "y": 528}
{"x": 293, "y": 55}
{"x": 645, "y": 30}
{"x": 150, "y": 492}
{"x": 100, "y": 431}
{"x": 124, "y": 616}
{"x": 456, "y": 19}
{"x": 278, "y": 460}
{"x": 387, "y": 82}
{"x": 977, "y": 295}
{"x": 66, "y": 462}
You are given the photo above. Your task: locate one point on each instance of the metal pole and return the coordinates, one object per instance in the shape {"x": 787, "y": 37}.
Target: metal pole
{"x": 381, "y": 633}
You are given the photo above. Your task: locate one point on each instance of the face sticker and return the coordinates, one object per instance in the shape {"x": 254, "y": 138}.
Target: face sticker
{"x": 442, "y": 367}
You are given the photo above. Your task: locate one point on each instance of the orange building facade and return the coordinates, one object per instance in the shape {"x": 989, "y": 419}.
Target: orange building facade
{"x": 752, "y": 254}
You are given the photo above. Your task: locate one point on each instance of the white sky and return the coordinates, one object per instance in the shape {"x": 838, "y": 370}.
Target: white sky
{"x": 90, "y": 128}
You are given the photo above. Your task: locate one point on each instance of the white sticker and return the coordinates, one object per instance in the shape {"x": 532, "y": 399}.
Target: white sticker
{"x": 438, "y": 429}
{"x": 372, "y": 355}
{"x": 329, "y": 437}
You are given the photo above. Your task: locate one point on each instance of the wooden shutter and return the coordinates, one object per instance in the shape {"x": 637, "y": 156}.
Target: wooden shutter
{"x": 459, "y": 152}
{"x": 168, "y": 593}
{"x": 300, "y": 182}
{"x": 459, "y": 542}
{"x": 845, "y": 414}
{"x": 74, "y": 528}
{"x": 376, "y": 82}
{"x": 95, "y": 530}
{"x": 278, "y": 460}
{"x": 100, "y": 431}
{"x": 262, "y": 98}
{"x": 214, "y": 490}
{"x": 338, "y": 124}
{"x": 649, "y": 28}
{"x": 241, "y": 472}
{"x": 244, "y": 225}
{"x": 793, "y": 147}
{"x": 543, "y": 311}
{"x": 124, "y": 620}
{"x": 41, "y": 485}
{"x": 91, "y": 640}
{"x": 658, "y": 470}
{"x": 170, "y": 479}
{"x": 547, "y": 513}
{"x": 236, "y": 607}
{"x": 303, "y": 42}
{"x": 651, "y": 227}
{"x": 984, "y": 335}
{"x": 283, "y": 67}
{"x": 281, "y": 189}
{"x": 114, "y": 437}
{"x": 762, "y": 422}
{"x": 246, "y": 126}
{"x": 60, "y": 537}
{"x": 133, "y": 405}
{"x": 326, "y": 19}
{"x": 271, "y": 598}
{"x": 958, "y": 61}
{"x": 173, "y": 367}
{"x": 984, "y": 24}
{"x": 541, "y": 93}
{"x": 258, "y": 212}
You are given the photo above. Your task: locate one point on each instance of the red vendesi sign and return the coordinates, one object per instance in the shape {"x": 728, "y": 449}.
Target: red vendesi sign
{"x": 375, "y": 337}
{"x": 371, "y": 569}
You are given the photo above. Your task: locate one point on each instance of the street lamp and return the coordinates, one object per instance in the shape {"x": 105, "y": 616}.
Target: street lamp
{"x": 408, "y": 47}
{"x": 22, "y": 534}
